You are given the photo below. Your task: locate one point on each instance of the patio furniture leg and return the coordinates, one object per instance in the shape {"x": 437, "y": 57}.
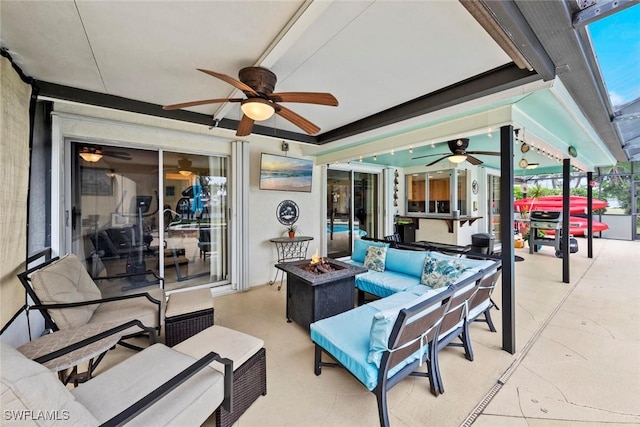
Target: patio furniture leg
{"x": 381, "y": 397}
{"x": 437, "y": 385}
{"x": 318, "y": 357}
{"x": 466, "y": 341}
{"x": 487, "y": 315}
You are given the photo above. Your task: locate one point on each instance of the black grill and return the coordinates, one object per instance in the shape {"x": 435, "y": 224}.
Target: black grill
{"x": 546, "y": 220}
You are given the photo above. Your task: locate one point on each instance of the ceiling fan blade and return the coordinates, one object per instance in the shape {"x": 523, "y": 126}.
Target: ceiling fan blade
{"x": 436, "y": 161}
{"x": 474, "y": 161}
{"x": 297, "y": 120}
{"x": 233, "y": 82}
{"x": 429, "y": 155}
{"x": 121, "y": 156}
{"x": 245, "y": 126}
{"x": 484, "y": 153}
{"x": 202, "y": 102}
{"x": 319, "y": 98}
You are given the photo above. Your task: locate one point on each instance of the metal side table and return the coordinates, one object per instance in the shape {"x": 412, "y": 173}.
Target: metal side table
{"x": 289, "y": 249}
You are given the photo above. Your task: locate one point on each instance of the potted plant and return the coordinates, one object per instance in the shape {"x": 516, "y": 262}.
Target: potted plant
{"x": 291, "y": 229}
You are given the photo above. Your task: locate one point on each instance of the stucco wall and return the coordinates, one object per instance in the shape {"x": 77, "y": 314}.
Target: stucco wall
{"x": 262, "y": 212}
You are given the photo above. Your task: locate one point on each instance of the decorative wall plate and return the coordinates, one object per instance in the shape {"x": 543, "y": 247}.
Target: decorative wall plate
{"x": 523, "y": 163}
{"x": 525, "y": 147}
{"x": 287, "y": 212}
{"x": 572, "y": 151}
{"x": 474, "y": 186}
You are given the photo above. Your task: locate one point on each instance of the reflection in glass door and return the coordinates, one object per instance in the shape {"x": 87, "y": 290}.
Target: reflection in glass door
{"x": 195, "y": 220}
{"x": 346, "y": 218}
{"x": 114, "y": 216}
{"x": 365, "y": 204}
{"x": 339, "y": 219}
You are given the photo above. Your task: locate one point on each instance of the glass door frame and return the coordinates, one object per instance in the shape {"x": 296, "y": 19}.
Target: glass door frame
{"x": 62, "y": 174}
{"x": 379, "y": 209}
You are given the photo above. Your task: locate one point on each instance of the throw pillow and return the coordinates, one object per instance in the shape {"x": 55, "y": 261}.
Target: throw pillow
{"x": 438, "y": 273}
{"x": 375, "y": 258}
{"x": 360, "y": 247}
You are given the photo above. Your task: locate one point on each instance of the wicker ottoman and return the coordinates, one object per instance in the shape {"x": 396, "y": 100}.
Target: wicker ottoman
{"x": 249, "y": 366}
{"x": 187, "y": 314}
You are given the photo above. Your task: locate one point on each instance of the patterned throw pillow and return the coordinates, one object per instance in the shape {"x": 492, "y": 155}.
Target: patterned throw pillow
{"x": 438, "y": 273}
{"x": 375, "y": 258}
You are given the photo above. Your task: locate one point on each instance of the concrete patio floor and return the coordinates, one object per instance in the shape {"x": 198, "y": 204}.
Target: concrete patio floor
{"x": 577, "y": 361}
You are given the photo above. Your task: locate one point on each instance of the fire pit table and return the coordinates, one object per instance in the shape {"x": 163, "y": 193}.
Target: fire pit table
{"x": 317, "y": 289}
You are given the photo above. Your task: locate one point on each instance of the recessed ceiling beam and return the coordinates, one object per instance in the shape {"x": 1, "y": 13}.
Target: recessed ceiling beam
{"x": 55, "y": 91}
{"x": 494, "y": 81}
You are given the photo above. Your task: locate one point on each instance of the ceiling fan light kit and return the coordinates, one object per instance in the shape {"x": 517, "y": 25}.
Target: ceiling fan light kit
{"x": 257, "y": 108}
{"x": 457, "y": 158}
{"x": 184, "y": 167}
{"x": 257, "y": 84}
{"x": 91, "y": 157}
{"x": 459, "y": 153}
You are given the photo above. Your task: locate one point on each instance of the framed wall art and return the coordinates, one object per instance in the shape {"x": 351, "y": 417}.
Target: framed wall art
{"x": 96, "y": 182}
{"x": 285, "y": 173}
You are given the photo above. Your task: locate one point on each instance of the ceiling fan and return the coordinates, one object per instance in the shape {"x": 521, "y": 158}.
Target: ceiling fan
{"x": 459, "y": 153}
{"x": 261, "y": 102}
{"x": 94, "y": 154}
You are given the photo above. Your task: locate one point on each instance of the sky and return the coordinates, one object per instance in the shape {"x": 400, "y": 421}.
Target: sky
{"x": 616, "y": 41}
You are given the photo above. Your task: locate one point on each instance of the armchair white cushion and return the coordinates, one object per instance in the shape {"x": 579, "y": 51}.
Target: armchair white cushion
{"x": 67, "y": 281}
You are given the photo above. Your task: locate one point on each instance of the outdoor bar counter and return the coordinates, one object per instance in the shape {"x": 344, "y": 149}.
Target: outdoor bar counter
{"x": 444, "y": 228}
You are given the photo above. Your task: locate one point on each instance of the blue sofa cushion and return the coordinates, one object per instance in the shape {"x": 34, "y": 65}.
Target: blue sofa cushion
{"x": 472, "y": 264}
{"x": 439, "y": 273}
{"x": 405, "y": 262}
{"x": 384, "y": 319}
{"x": 346, "y": 337}
{"x": 375, "y": 258}
{"x": 360, "y": 248}
{"x": 386, "y": 283}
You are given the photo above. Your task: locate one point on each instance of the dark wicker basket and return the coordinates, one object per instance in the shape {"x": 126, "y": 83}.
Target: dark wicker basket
{"x": 249, "y": 383}
{"x": 181, "y": 327}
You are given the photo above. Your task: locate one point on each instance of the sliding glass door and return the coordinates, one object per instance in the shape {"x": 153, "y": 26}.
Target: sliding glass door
{"x": 195, "y": 210}
{"x": 132, "y": 212}
{"x": 350, "y": 217}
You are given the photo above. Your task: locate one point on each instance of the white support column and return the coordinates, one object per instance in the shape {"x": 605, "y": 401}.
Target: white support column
{"x": 239, "y": 216}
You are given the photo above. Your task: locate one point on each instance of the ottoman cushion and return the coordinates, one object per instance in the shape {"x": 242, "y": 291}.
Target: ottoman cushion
{"x": 228, "y": 343}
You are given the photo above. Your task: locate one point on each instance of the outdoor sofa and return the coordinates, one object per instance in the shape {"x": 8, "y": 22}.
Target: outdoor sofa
{"x": 424, "y": 304}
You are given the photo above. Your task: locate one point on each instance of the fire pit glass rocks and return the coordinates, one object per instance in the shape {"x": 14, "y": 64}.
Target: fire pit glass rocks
{"x": 319, "y": 288}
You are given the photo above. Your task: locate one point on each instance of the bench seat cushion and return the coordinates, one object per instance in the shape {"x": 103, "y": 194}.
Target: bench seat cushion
{"x": 346, "y": 337}
{"x": 385, "y": 283}
{"x": 190, "y": 404}
{"x": 234, "y": 345}
{"x": 133, "y": 308}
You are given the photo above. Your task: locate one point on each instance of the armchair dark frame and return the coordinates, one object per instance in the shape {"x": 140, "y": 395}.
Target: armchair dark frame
{"x": 50, "y": 324}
